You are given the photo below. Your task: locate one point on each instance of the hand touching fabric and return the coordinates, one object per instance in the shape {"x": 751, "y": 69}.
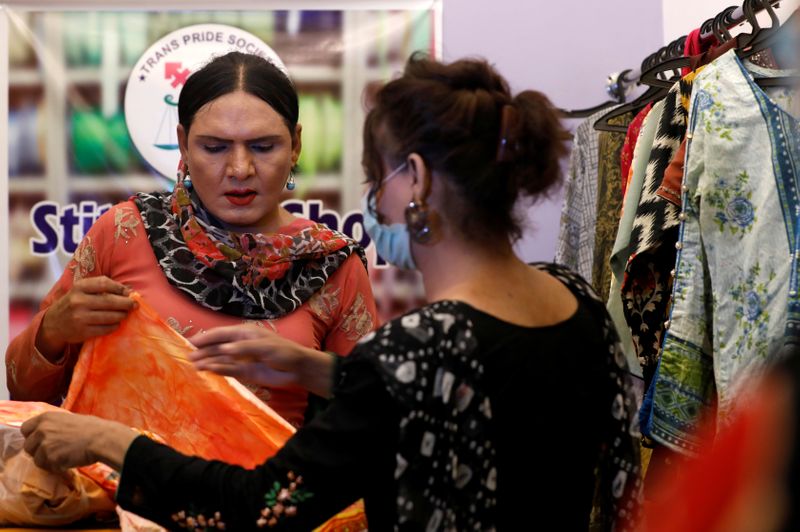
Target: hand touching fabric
{"x": 93, "y": 307}
{"x": 262, "y": 357}
{"x": 60, "y": 440}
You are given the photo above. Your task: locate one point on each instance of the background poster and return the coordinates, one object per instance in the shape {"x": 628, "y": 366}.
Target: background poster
{"x": 70, "y": 154}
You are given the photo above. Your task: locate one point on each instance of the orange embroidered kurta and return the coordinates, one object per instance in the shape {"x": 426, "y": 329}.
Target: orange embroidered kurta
{"x": 117, "y": 247}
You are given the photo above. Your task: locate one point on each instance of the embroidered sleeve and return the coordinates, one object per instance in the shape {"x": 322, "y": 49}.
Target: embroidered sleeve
{"x": 83, "y": 263}
{"x": 343, "y": 455}
{"x": 325, "y": 303}
{"x": 348, "y": 302}
{"x": 30, "y": 376}
{"x": 647, "y": 282}
{"x": 126, "y": 222}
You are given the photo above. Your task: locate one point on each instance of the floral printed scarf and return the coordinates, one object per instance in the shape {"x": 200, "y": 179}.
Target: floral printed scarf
{"x": 251, "y": 275}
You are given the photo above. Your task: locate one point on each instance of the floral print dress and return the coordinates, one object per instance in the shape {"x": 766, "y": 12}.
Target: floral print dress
{"x": 735, "y": 291}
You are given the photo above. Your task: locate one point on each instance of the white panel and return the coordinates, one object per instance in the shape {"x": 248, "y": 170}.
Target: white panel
{"x": 4, "y": 249}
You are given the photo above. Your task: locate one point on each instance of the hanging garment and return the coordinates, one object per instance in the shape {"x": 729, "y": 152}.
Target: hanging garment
{"x": 695, "y": 46}
{"x": 609, "y": 204}
{"x": 633, "y": 192}
{"x": 648, "y": 276}
{"x": 139, "y": 375}
{"x": 621, "y": 250}
{"x": 631, "y": 137}
{"x": 670, "y": 189}
{"x": 736, "y": 275}
{"x": 647, "y": 281}
{"x": 31, "y": 496}
{"x": 575, "y": 248}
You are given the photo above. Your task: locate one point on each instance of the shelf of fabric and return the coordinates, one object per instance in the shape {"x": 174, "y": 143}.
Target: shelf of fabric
{"x": 315, "y": 74}
{"x": 79, "y": 75}
{"x": 27, "y": 184}
{"x": 29, "y": 291}
{"x": 128, "y": 183}
{"x": 320, "y": 182}
{"x": 382, "y": 74}
{"x": 24, "y": 77}
{"x": 85, "y": 75}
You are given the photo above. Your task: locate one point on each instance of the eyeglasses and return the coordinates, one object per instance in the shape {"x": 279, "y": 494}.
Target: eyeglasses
{"x": 378, "y": 186}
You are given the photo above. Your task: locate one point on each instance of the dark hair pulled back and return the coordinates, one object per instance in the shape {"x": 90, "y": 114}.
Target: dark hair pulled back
{"x": 233, "y": 72}
{"x": 463, "y": 121}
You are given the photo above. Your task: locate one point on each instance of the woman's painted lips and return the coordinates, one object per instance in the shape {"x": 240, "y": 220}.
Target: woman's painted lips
{"x": 241, "y": 197}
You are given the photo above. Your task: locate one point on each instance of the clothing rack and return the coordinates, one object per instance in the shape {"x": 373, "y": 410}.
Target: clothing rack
{"x": 732, "y": 17}
{"x": 620, "y": 85}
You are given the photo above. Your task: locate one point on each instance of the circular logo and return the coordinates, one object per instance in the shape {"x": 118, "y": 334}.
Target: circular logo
{"x": 151, "y": 97}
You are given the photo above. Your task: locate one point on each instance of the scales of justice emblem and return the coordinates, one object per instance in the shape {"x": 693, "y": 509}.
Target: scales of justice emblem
{"x": 155, "y": 82}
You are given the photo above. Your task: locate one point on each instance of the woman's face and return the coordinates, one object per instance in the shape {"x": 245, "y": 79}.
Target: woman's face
{"x": 239, "y": 153}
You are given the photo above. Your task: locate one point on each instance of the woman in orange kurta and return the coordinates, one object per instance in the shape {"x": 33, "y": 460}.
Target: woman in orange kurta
{"x": 219, "y": 251}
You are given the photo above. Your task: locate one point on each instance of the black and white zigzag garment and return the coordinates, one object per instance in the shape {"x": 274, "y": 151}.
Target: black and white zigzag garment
{"x": 648, "y": 283}
{"x": 655, "y": 215}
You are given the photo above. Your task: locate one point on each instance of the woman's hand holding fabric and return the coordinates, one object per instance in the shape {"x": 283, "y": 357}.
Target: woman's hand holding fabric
{"x": 260, "y": 356}
{"x": 60, "y": 440}
{"x": 93, "y": 307}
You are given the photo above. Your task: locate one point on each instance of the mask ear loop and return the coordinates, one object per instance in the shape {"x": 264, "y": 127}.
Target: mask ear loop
{"x": 377, "y": 192}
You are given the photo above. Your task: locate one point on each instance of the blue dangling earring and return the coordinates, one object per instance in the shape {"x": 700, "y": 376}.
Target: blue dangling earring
{"x": 183, "y": 175}
{"x": 290, "y": 184}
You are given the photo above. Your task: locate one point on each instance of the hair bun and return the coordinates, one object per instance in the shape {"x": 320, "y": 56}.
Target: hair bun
{"x": 462, "y": 120}
{"x": 542, "y": 143}
{"x": 472, "y": 75}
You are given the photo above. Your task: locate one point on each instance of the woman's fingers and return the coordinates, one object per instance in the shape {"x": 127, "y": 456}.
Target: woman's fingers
{"x": 105, "y": 317}
{"x": 222, "y": 335}
{"x": 102, "y": 285}
{"x": 112, "y": 302}
{"x": 29, "y": 426}
{"x": 245, "y": 350}
{"x": 227, "y": 369}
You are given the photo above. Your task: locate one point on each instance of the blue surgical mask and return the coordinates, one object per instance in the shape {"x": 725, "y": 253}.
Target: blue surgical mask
{"x": 392, "y": 242}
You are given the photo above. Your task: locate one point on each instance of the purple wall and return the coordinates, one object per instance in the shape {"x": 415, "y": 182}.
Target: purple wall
{"x": 564, "y": 48}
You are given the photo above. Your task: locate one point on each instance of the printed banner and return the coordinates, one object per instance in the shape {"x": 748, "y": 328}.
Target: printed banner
{"x": 92, "y": 116}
